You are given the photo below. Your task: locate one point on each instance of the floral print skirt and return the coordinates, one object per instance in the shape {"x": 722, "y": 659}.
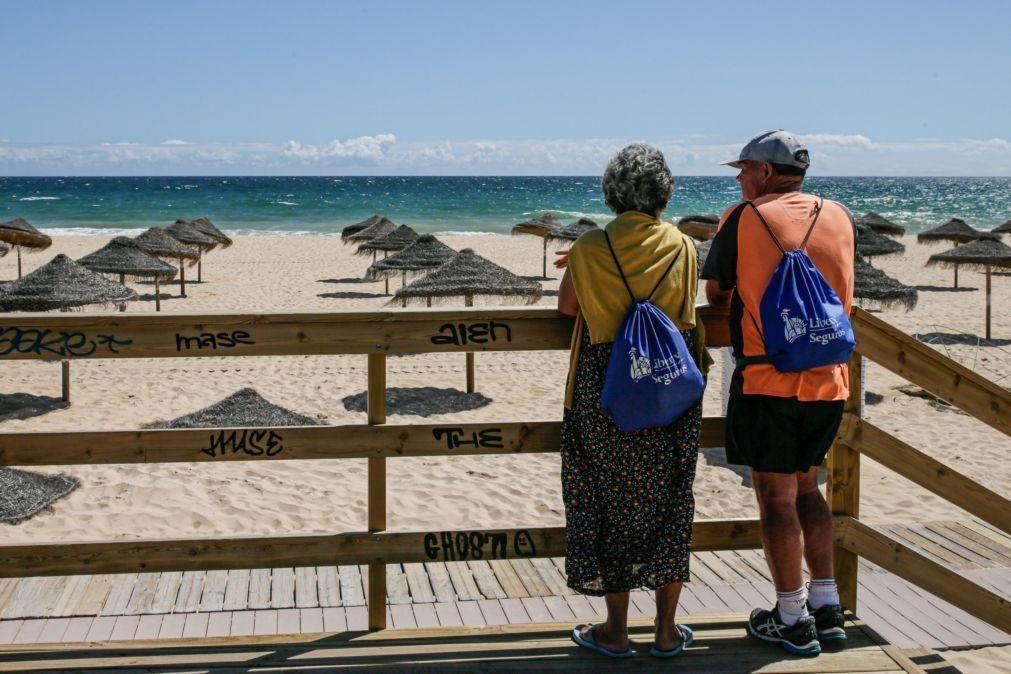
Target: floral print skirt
{"x": 628, "y": 496}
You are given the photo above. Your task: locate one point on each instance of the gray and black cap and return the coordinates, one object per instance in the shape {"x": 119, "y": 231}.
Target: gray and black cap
{"x": 775, "y": 147}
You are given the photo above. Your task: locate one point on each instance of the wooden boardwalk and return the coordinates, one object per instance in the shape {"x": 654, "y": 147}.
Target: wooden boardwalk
{"x": 474, "y": 593}
{"x": 720, "y": 646}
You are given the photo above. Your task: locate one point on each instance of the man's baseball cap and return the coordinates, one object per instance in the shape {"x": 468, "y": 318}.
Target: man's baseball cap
{"x": 775, "y": 147}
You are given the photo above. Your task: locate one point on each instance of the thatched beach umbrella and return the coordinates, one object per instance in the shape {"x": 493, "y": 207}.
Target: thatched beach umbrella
{"x": 425, "y": 254}
{"x": 243, "y": 409}
{"x": 397, "y": 240}
{"x": 871, "y": 244}
{"x": 1002, "y": 229}
{"x": 541, "y": 227}
{"x": 361, "y": 226}
{"x": 874, "y": 286}
{"x": 20, "y": 234}
{"x": 571, "y": 231}
{"x": 157, "y": 242}
{"x": 982, "y": 254}
{"x": 881, "y": 225}
{"x": 468, "y": 275}
{"x": 955, "y": 230}
{"x": 61, "y": 284}
{"x": 205, "y": 226}
{"x": 701, "y": 227}
{"x": 191, "y": 236}
{"x": 381, "y": 226}
{"x": 24, "y": 493}
{"x": 124, "y": 257}
{"x": 703, "y": 251}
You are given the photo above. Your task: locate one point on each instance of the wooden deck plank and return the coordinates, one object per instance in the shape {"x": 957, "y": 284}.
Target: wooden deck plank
{"x": 22, "y": 600}
{"x": 402, "y": 616}
{"x": 149, "y": 626}
{"x": 237, "y": 590}
{"x": 448, "y": 613}
{"x": 357, "y": 617}
{"x": 54, "y": 629}
{"x": 552, "y": 578}
{"x": 532, "y": 581}
{"x": 508, "y": 579}
{"x": 306, "y": 587}
{"x": 945, "y": 541}
{"x": 7, "y": 588}
{"x": 9, "y": 630}
{"x": 213, "y": 597}
{"x": 171, "y": 626}
{"x": 993, "y": 531}
{"x": 265, "y": 621}
{"x": 929, "y": 548}
{"x": 352, "y": 590}
{"x": 167, "y": 592}
{"x": 101, "y": 628}
{"x": 191, "y": 587}
{"x": 486, "y": 581}
{"x": 580, "y": 607}
{"x": 126, "y": 627}
{"x": 30, "y": 631}
{"x": 425, "y": 615}
{"x": 282, "y": 587}
{"x": 514, "y": 611}
{"x": 442, "y": 584}
{"x": 328, "y": 588}
{"x": 725, "y": 571}
{"x": 71, "y": 595}
{"x": 986, "y": 545}
{"x": 755, "y": 559}
{"x": 397, "y": 589}
{"x": 464, "y": 586}
{"x": 78, "y": 628}
{"x": 710, "y": 599}
{"x": 243, "y": 623}
{"x": 49, "y": 595}
{"x": 289, "y": 621}
{"x": 335, "y": 619}
{"x": 889, "y": 589}
{"x": 492, "y": 611}
{"x": 559, "y": 609}
{"x": 974, "y": 626}
{"x": 119, "y": 595}
{"x": 868, "y": 597}
{"x": 143, "y": 595}
{"x": 687, "y": 603}
{"x": 536, "y": 609}
{"x": 470, "y": 613}
{"x": 733, "y": 559}
{"x": 259, "y": 589}
{"x": 220, "y": 624}
{"x": 641, "y": 604}
{"x": 418, "y": 583}
{"x": 311, "y": 619}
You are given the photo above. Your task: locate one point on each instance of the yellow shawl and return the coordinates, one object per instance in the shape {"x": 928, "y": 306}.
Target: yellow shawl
{"x": 645, "y": 247}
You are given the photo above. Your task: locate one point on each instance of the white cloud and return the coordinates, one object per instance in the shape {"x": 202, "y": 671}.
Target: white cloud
{"x": 370, "y": 148}
{"x": 175, "y": 142}
{"x": 841, "y": 140}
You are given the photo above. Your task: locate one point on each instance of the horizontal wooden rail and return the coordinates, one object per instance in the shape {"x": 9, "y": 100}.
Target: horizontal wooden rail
{"x": 396, "y": 331}
{"x": 894, "y": 350}
{"x": 58, "y": 559}
{"x": 895, "y": 556}
{"x": 925, "y": 471}
{"x": 355, "y": 441}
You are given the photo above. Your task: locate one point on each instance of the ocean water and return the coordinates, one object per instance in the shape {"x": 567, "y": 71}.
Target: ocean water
{"x": 323, "y": 205}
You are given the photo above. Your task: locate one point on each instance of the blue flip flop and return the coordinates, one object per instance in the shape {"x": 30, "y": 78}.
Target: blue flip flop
{"x": 591, "y": 643}
{"x": 687, "y": 637}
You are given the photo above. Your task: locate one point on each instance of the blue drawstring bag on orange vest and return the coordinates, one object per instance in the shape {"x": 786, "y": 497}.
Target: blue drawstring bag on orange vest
{"x": 804, "y": 323}
{"x": 651, "y": 378}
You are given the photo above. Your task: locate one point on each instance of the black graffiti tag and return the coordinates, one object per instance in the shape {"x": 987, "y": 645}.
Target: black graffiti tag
{"x": 212, "y": 340}
{"x": 461, "y": 334}
{"x": 455, "y": 438}
{"x": 454, "y": 546}
{"x": 252, "y": 442}
{"x": 46, "y": 342}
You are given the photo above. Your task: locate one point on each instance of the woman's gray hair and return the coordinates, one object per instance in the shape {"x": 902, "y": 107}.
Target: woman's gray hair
{"x": 637, "y": 179}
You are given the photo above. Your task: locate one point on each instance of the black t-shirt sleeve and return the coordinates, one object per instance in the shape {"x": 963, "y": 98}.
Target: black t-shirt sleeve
{"x": 721, "y": 263}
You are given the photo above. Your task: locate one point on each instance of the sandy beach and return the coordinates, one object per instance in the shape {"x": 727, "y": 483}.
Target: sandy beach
{"x": 318, "y": 273}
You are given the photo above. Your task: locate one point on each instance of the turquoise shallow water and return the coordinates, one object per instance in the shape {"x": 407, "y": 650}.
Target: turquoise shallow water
{"x": 323, "y": 205}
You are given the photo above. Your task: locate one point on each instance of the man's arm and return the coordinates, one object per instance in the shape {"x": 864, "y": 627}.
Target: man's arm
{"x": 720, "y": 269}
{"x": 715, "y": 296}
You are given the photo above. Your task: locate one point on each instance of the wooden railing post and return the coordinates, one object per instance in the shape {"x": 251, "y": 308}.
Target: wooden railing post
{"x": 65, "y": 380}
{"x": 377, "y": 490}
{"x": 843, "y": 488}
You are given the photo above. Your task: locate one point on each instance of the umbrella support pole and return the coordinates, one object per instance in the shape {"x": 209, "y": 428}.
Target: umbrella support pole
{"x": 18, "y": 249}
{"x": 157, "y": 294}
{"x": 470, "y": 354}
{"x": 387, "y": 278}
{"x": 65, "y": 367}
{"x": 988, "y": 301}
{"x": 956, "y": 268}
{"x": 182, "y": 278}
{"x": 545, "y": 257}
{"x": 200, "y": 267}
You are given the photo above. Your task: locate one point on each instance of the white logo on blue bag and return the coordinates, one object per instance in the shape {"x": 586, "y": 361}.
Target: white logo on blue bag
{"x": 640, "y": 365}
{"x": 794, "y": 328}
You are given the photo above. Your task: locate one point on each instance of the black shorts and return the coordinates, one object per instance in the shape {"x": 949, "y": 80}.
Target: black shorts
{"x": 779, "y": 435}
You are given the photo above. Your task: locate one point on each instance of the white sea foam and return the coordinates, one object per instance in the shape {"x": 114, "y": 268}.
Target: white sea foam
{"x": 92, "y": 231}
{"x": 287, "y": 203}
{"x": 39, "y": 198}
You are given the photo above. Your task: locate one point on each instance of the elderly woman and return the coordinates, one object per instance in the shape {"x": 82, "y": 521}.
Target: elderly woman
{"x": 628, "y": 495}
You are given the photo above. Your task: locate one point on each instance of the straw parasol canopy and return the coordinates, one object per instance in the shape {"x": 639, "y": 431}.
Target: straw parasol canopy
{"x": 468, "y": 275}
{"x": 243, "y": 409}
{"x": 156, "y": 241}
{"x": 876, "y": 287}
{"x": 701, "y": 227}
{"x": 955, "y": 230}
{"x": 20, "y": 234}
{"x": 703, "y": 251}
{"x": 186, "y": 233}
{"x": 24, "y": 493}
{"x": 424, "y": 254}
{"x": 205, "y": 226}
{"x": 400, "y": 238}
{"x": 982, "y": 254}
{"x": 61, "y": 284}
{"x": 541, "y": 226}
{"x": 380, "y": 226}
{"x": 872, "y": 244}
{"x": 571, "y": 231}
{"x": 122, "y": 256}
{"x": 1002, "y": 229}
{"x": 881, "y": 225}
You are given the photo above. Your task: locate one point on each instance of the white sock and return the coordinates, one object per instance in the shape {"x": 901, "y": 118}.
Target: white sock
{"x": 822, "y": 592}
{"x": 792, "y": 605}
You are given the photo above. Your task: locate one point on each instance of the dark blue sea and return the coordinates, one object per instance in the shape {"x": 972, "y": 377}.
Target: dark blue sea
{"x": 323, "y": 205}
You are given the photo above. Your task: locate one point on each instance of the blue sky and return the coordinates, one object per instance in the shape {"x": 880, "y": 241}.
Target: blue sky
{"x": 295, "y": 87}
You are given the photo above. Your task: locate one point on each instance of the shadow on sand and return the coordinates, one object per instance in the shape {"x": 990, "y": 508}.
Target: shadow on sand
{"x": 27, "y": 405}
{"x": 422, "y": 401}
{"x": 958, "y": 338}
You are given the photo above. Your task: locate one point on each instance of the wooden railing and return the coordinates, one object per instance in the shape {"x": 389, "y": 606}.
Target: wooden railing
{"x": 378, "y": 334}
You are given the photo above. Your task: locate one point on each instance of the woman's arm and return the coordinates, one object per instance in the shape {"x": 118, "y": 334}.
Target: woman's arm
{"x": 568, "y": 303}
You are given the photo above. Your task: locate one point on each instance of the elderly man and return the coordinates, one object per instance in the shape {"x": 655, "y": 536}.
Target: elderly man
{"x": 781, "y": 424}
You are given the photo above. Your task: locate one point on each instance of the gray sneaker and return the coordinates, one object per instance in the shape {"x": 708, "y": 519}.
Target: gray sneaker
{"x": 799, "y": 639}
{"x": 829, "y": 621}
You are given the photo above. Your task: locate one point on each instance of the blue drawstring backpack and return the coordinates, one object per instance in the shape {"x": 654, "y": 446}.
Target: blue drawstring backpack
{"x": 651, "y": 377}
{"x": 804, "y": 324}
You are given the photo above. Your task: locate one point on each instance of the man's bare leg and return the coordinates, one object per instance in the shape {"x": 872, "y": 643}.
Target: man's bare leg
{"x": 781, "y": 529}
{"x": 816, "y": 522}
